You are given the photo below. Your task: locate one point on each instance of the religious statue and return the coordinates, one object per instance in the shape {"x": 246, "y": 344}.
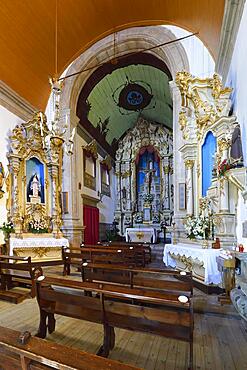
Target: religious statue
{"x": 1, "y": 175}
{"x": 1, "y": 179}
{"x": 35, "y": 186}
{"x": 236, "y": 145}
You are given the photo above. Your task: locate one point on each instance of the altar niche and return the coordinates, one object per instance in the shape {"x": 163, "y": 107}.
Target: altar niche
{"x": 148, "y": 183}
{"x": 208, "y": 161}
{"x": 35, "y": 181}
{"x": 144, "y": 171}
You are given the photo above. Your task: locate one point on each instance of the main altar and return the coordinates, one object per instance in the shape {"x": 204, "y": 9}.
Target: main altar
{"x": 34, "y": 187}
{"x": 144, "y": 171}
{"x": 140, "y": 235}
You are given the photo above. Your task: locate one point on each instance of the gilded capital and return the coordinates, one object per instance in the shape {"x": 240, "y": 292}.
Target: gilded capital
{"x": 223, "y": 144}
{"x": 167, "y": 169}
{"x": 189, "y": 163}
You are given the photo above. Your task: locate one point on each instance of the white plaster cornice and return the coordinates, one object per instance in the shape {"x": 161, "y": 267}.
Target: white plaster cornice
{"x": 230, "y": 25}
{"x": 17, "y": 105}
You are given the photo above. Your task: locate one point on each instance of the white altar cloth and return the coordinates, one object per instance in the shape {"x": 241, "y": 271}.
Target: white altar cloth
{"x": 36, "y": 243}
{"x": 206, "y": 256}
{"x": 141, "y": 235}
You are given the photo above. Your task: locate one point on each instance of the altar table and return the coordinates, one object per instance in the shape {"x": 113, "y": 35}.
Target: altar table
{"x": 207, "y": 258}
{"x": 141, "y": 235}
{"x": 39, "y": 248}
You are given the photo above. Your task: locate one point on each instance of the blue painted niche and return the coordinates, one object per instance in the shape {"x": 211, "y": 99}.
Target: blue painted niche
{"x": 35, "y": 166}
{"x": 208, "y": 152}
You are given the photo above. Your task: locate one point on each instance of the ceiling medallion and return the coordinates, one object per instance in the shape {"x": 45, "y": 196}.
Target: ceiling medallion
{"x": 133, "y": 96}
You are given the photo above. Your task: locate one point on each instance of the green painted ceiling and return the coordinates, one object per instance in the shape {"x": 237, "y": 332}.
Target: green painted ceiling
{"x": 102, "y": 104}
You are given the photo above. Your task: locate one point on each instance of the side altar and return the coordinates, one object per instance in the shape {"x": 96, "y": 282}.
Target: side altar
{"x": 34, "y": 187}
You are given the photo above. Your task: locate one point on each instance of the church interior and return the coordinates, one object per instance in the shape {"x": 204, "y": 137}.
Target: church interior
{"x": 123, "y": 184}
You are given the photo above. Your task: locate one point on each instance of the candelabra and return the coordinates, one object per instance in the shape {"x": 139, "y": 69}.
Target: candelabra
{"x": 58, "y": 126}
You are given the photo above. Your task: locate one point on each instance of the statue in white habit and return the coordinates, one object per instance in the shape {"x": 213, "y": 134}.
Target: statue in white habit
{"x": 35, "y": 186}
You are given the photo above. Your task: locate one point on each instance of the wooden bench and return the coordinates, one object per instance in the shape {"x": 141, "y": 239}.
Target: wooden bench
{"x": 166, "y": 315}
{"x": 169, "y": 280}
{"x": 13, "y": 273}
{"x": 142, "y": 252}
{"x": 22, "y": 351}
{"x": 20, "y": 271}
{"x": 75, "y": 257}
{"x": 145, "y": 246}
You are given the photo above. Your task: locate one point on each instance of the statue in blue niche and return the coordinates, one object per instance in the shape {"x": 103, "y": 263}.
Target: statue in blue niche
{"x": 34, "y": 189}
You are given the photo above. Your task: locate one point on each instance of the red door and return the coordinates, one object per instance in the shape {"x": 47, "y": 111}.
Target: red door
{"x": 91, "y": 222}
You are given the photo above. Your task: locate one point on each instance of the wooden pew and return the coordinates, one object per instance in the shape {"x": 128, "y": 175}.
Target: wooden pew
{"x": 22, "y": 352}
{"x": 20, "y": 271}
{"x": 166, "y": 315}
{"x": 11, "y": 272}
{"x": 134, "y": 277}
{"x": 75, "y": 256}
{"x": 146, "y": 246}
{"x": 142, "y": 252}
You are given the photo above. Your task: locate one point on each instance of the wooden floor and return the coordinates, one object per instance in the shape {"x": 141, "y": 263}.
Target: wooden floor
{"x": 220, "y": 340}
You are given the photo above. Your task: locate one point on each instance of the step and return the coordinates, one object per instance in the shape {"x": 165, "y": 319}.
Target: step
{"x": 13, "y": 296}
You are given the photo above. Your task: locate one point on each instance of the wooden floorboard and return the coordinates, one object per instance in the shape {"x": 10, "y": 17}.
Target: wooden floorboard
{"x": 220, "y": 340}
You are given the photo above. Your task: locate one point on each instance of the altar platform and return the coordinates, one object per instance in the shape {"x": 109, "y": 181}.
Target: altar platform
{"x": 201, "y": 262}
{"x": 39, "y": 248}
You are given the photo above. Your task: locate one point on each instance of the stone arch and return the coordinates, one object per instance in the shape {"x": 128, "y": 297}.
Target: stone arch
{"x": 129, "y": 40}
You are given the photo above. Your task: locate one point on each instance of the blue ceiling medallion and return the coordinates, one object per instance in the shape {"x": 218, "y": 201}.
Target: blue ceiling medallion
{"x": 134, "y": 97}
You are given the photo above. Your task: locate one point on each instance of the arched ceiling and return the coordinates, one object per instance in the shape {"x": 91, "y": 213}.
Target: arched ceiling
{"x": 27, "y": 33}
{"x": 117, "y": 93}
{"x": 105, "y": 105}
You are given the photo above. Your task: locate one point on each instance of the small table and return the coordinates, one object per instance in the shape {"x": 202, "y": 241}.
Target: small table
{"x": 140, "y": 235}
{"x": 194, "y": 255}
{"x": 227, "y": 269}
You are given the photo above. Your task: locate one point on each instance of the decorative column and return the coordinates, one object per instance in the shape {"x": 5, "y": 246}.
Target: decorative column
{"x": 166, "y": 187}
{"x": 224, "y": 145}
{"x": 15, "y": 214}
{"x": 189, "y": 164}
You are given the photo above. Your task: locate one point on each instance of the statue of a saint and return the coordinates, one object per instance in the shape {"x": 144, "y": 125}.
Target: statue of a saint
{"x": 35, "y": 186}
{"x": 236, "y": 147}
{"x": 1, "y": 175}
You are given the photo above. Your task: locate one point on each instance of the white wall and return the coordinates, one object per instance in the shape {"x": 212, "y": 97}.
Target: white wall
{"x": 106, "y": 206}
{"x": 200, "y": 60}
{"x": 7, "y": 122}
{"x": 237, "y": 79}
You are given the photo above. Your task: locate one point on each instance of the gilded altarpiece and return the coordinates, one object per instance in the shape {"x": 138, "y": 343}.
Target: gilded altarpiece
{"x": 207, "y": 134}
{"x": 34, "y": 188}
{"x": 144, "y": 171}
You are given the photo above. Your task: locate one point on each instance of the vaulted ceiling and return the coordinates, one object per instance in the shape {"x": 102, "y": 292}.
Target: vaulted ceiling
{"x": 142, "y": 80}
{"x": 27, "y": 33}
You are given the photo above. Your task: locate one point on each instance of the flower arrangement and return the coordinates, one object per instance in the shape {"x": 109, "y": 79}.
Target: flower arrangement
{"x": 148, "y": 198}
{"x": 197, "y": 227}
{"x": 138, "y": 218}
{"x": 7, "y": 228}
{"x": 223, "y": 167}
{"x": 38, "y": 226}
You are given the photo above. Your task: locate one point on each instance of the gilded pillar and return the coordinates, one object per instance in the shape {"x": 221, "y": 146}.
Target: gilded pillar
{"x": 223, "y": 146}
{"x": 189, "y": 165}
{"x": 16, "y": 217}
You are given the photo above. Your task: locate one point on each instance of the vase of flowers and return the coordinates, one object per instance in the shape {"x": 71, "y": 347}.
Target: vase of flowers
{"x": 223, "y": 167}
{"x": 7, "y": 228}
{"x": 38, "y": 226}
{"x": 197, "y": 227}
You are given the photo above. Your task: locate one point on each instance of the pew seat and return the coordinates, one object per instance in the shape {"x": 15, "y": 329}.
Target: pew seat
{"x": 138, "y": 309}
{"x": 22, "y": 351}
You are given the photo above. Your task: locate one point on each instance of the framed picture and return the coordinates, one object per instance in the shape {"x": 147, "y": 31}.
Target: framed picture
{"x": 182, "y": 195}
